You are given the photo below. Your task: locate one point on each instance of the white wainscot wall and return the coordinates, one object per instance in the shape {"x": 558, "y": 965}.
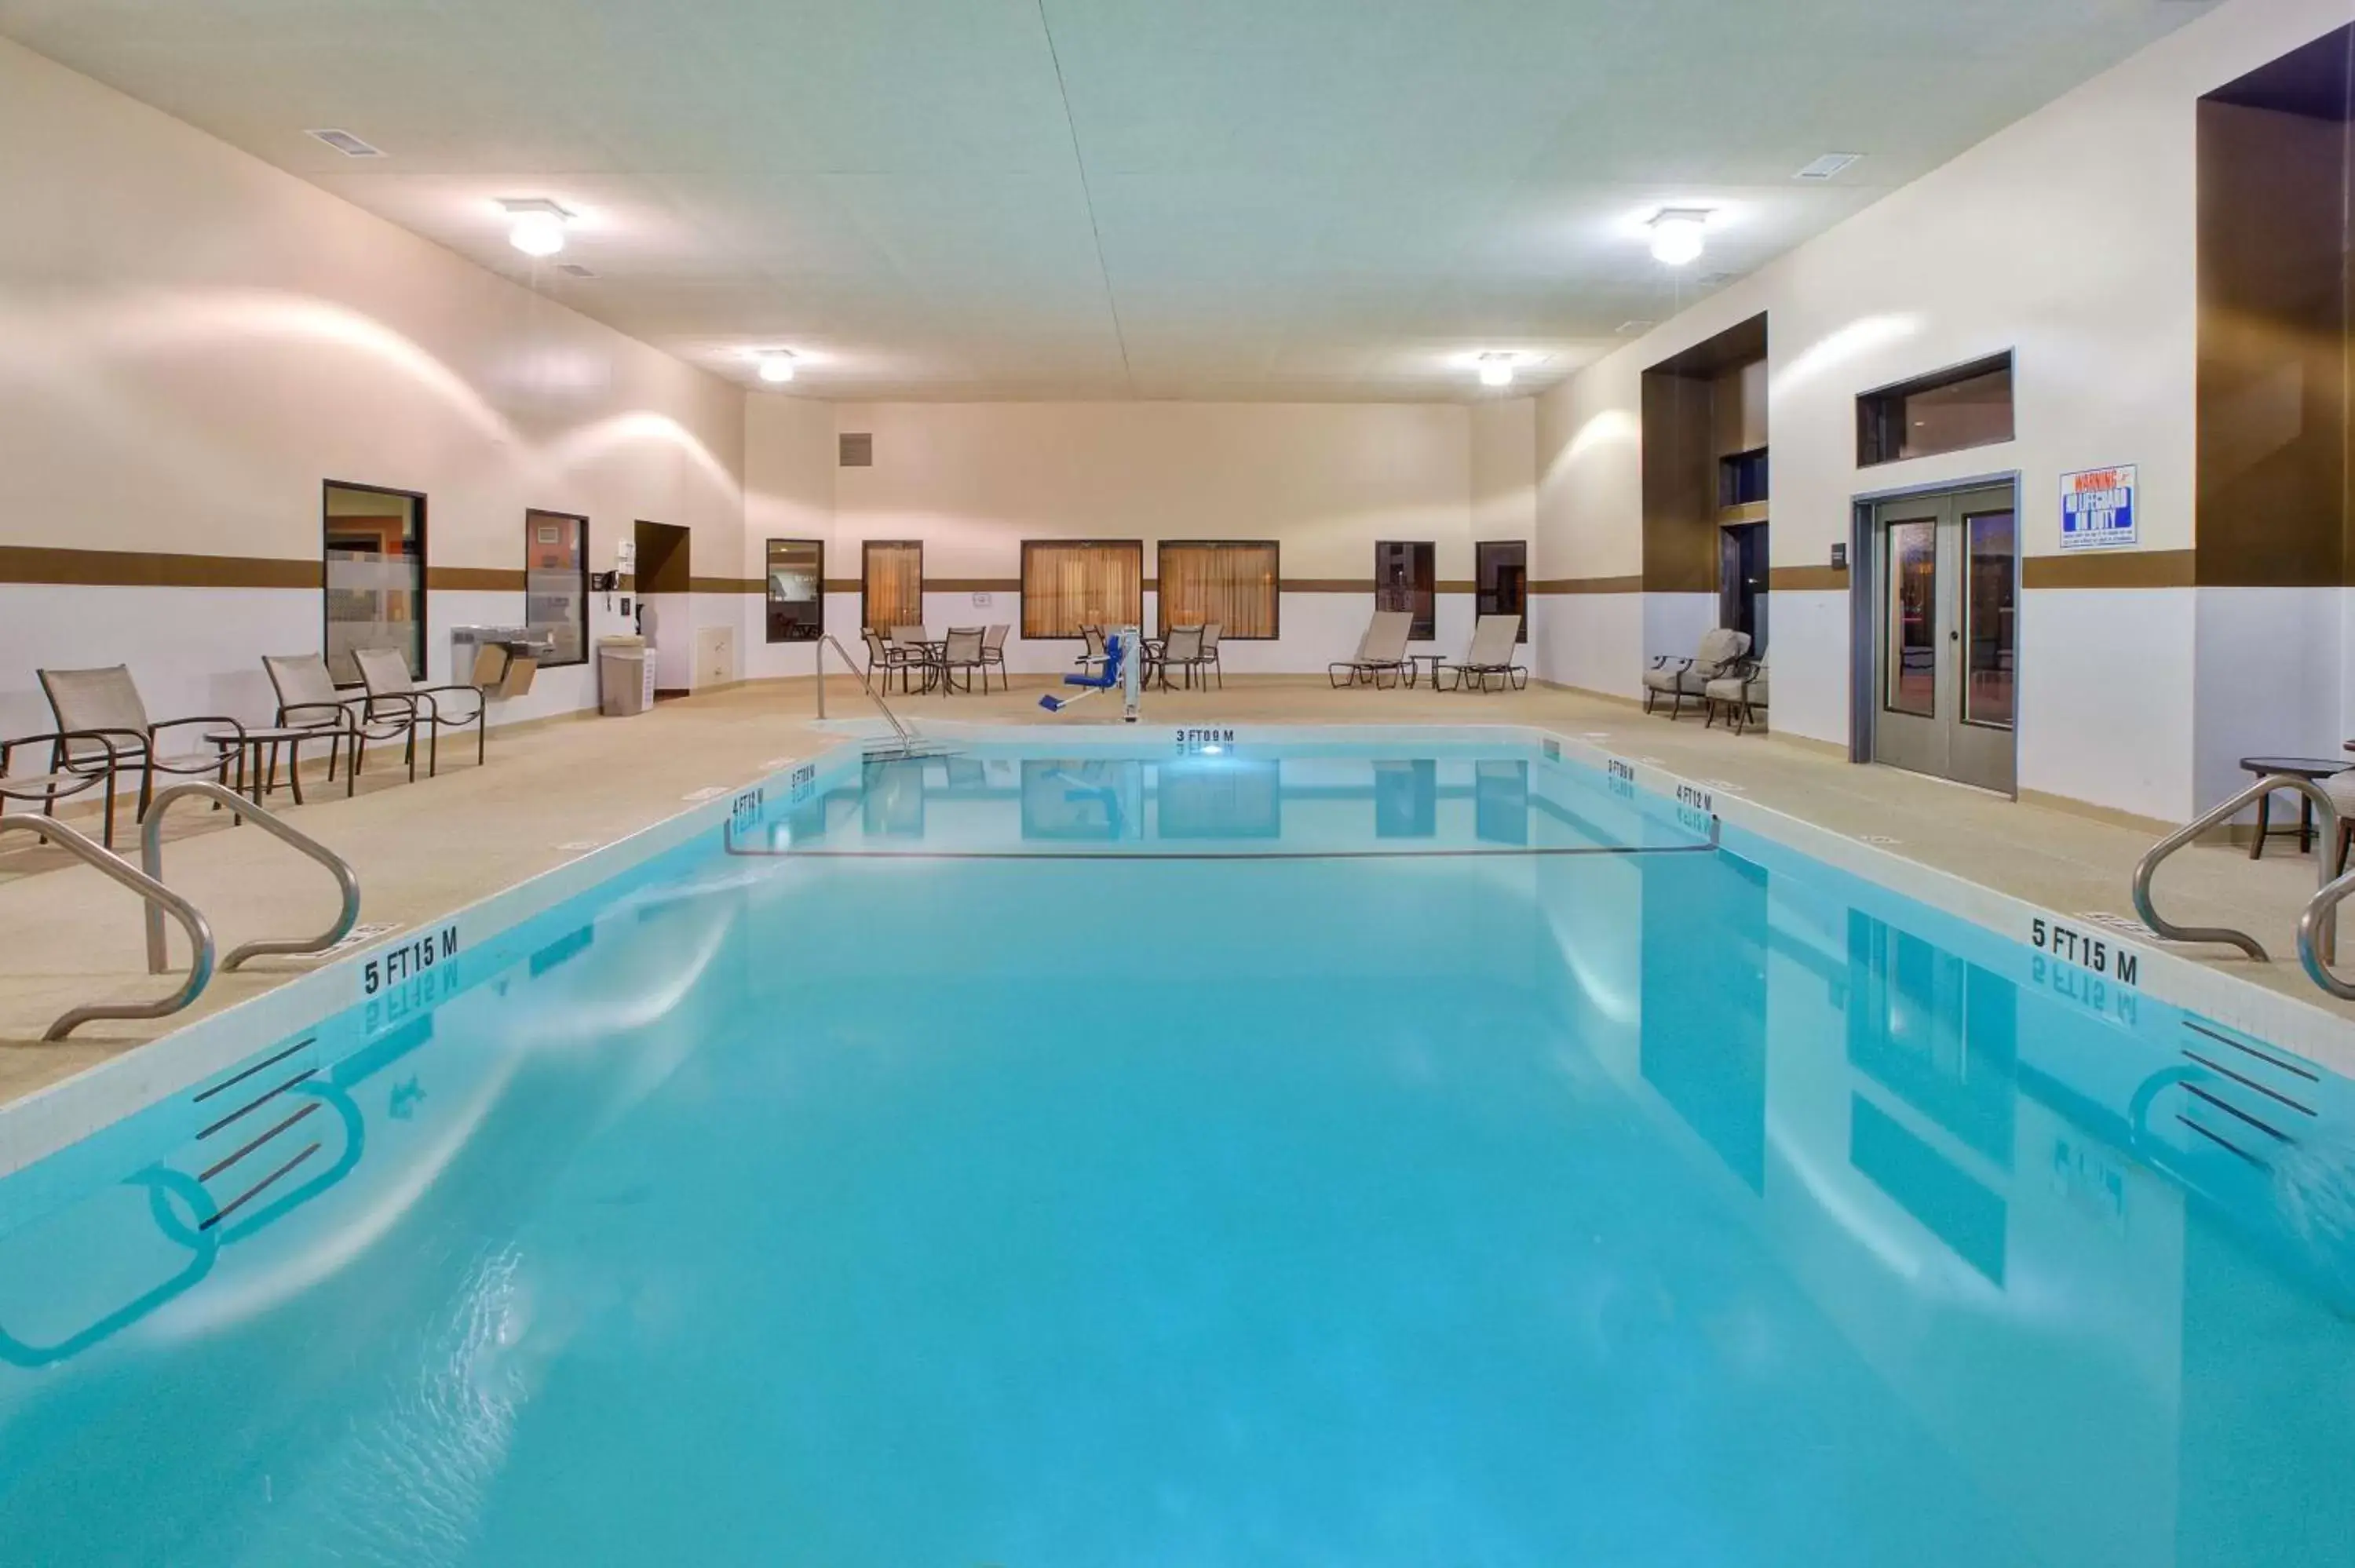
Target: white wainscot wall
{"x": 2103, "y": 673}
{"x": 192, "y": 651}
{"x": 1591, "y": 640}
{"x": 2272, "y": 680}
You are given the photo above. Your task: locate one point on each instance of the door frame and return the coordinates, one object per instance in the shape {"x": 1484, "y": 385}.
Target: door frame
{"x": 1863, "y": 605}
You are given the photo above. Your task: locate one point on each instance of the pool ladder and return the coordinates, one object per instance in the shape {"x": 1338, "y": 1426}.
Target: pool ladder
{"x": 146, "y": 879}
{"x": 905, "y": 742}
{"x": 2317, "y": 924}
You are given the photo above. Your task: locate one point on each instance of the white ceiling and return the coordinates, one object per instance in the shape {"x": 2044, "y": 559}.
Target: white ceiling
{"x": 1312, "y": 199}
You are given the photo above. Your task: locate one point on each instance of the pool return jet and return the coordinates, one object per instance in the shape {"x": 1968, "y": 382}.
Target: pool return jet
{"x": 1122, "y": 668}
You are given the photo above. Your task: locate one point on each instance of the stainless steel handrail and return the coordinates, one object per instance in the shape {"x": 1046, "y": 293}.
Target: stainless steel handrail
{"x": 906, "y": 737}
{"x": 150, "y": 856}
{"x": 2317, "y": 929}
{"x": 2148, "y": 867}
{"x": 161, "y": 901}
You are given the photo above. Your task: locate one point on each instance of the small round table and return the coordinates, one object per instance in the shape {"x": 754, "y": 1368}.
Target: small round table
{"x": 256, "y": 756}
{"x": 2314, "y": 768}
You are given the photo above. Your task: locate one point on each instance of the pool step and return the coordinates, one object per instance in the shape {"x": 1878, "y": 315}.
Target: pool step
{"x": 2244, "y": 1096}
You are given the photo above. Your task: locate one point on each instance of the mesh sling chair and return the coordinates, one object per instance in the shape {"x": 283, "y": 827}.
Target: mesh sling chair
{"x": 993, "y": 655}
{"x": 884, "y": 656}
{"x": 1490, "y": 656}
{"x": 1183, "y": 649}
{"x": 1208, "y": 661}
{"x": 1381, "y": 651}
{"x": 391, "y": 690}
{"x": 916, "y": 645}
{"x": 104, "y": 730}
{"x": 962, "y": 650}
{"x": 1678, "y": 679}
{"x": 308, "y": 698}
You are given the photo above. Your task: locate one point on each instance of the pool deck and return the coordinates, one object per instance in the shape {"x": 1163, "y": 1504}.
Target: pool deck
{"x": 552, "y": 790}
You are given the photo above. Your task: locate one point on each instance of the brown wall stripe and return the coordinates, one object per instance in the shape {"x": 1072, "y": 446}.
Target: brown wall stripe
{"x": 1325, "y": 585}
{"x": 142, "y": 569}
{"x": 727, "y": 584}
{"x": 2113, "y": 569}
{"x": 1587, "y": 584}
{"x": 1803, "y": 579}
{"x": 973, "y": 585}
{"x": 483, "y": 579}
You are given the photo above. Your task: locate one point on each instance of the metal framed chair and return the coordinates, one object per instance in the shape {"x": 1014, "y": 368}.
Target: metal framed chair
{"x": 103, "y": 729}
{"x": 918, "y": 652}
{"x": 1208, "y": 661}
{"x": 1381, "y": 651}
{"x": 1490, "y": 657}
{"x": 993, "y": 655}
{"x": 56, "y": 785}
{"x": 1183, "y": 649}
{"x": 1739, "y": 693}
{"x": 390, "y": 687}
{"x": 1678, "y": 679}
{"x": 308, "y": 698}
{"x": 962, "y": 650}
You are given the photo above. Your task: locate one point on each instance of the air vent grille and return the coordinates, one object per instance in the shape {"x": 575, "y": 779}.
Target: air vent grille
{"x": 576, "y": 269}
{"x": 1630, "y": 328}
{"x": 349, "y": 146}
{"x": 858, "y": 448}
{"x": 1828, "y": 165}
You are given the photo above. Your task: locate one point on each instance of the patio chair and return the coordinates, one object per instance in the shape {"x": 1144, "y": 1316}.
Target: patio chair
{"x": 1739, "y": 693}
{"x": 993, "y": 655}
{"x": 1381, "y": 651}
{"x": 102, "y": 728}
{"x": 1208, "y": 661}
{"x": 51, "y": 788}
{"x": 1490, "y": 656}
{"x": 1183, "y": 648}
{"x": 308, "y": 698}
{"x": 962, "y": 651}
{"x": 390, "y": 689}
{"x": 890, "y": 659}
{"x": 1093, "y": 653}
{"x": 921, "y": 655}
{"x": 1678, "y": 679}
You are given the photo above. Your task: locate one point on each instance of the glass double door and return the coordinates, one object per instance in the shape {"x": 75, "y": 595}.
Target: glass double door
{"x": 1946, "y": 663}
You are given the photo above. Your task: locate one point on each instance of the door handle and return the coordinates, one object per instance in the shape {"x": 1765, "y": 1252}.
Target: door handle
{"x": 1953, "y": 637}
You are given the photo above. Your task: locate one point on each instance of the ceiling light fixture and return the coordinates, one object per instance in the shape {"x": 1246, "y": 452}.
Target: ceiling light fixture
{"x": 1677, "y": 235}
{"x": 1495, "y": 370}
{"x": 777, "y": 366}
{"x": 538, "y": 226}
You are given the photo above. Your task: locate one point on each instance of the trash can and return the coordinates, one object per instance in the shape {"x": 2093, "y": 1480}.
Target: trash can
{"x": 621, "y": 676}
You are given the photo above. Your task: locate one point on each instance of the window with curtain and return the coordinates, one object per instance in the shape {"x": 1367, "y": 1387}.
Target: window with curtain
{"x": 1230, "y": 581}
{"x": 1071, "y": 583}
{"x": 1404, "y": 579}
{"x": 556, "y": 584}
{"x": 374, "y": 543}
{"x": 891, "y": 592}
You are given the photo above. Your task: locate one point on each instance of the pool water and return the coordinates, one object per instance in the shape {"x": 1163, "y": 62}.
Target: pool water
{"x": 1442, "y": 1158}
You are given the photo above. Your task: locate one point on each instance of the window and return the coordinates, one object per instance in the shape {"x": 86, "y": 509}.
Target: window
{"x": 374, "y": 545}
{"x": 1969, "y": 406}
{"x": 891, "y": 585}
{"x": 1404, "y": 578}
{"x": 796, "y": 573}
{"x": 1501, "y": 580}
{"x": 1230, "y": 581}
{"x": 556, "y": 584}
{"x": 1068, "y": 584}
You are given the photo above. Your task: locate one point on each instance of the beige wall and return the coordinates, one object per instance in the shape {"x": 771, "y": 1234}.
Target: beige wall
{"x": 972, "y": 480}
{"x": 192, "y": 341}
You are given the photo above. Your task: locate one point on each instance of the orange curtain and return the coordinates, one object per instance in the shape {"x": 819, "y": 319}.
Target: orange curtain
{"x": 895, "y": 583}
{"x": 1066, "y": 586}
{"x": 1232, "y": 583}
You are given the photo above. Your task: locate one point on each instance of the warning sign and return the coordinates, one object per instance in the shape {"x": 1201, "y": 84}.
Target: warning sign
{"x": 2097, "y": 509}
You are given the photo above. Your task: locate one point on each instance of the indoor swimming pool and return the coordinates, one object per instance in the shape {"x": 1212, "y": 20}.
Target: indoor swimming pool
{"x": 1203, "y": 1151}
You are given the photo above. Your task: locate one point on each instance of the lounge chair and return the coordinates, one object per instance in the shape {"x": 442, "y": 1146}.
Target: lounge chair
{"x": 308, "y": 698}
{"x": 1490, "y": 657}
{"x": 1678, "y": 679}
{"x": 103, "y": 729}
{"x": 1740, "y": 694}
{"x": 1381, "y": 651}
{"x": 391, "y": 690}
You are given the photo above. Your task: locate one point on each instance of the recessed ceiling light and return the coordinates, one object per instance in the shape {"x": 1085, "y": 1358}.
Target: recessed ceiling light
{"x": 1828, "y": 165}
{"x": 349, "y": 146}
{"x": 1495, "y": 370}
{"x": 1677, "y": 235}
{"x": 538, "y": 227}
{"x": 777, "y": 366}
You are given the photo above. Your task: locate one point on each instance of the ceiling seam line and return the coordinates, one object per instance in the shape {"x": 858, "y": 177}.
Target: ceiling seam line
{"x": 1087, "y": 198}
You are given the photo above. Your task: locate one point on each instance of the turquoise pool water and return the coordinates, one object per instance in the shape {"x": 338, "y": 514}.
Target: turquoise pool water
{"x": 1444, "y": 1156}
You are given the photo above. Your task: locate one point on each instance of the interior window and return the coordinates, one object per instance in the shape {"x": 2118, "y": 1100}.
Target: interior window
{"x": 1233, "y": 582}
{"x": 556, "y": 584}
{"x": 1071, "y": 583}
{"x": 796, "y": 582}
{"x": 374, "y": 565}
{"x": 1404, "y": 578}
{"x": 891, "y": 590}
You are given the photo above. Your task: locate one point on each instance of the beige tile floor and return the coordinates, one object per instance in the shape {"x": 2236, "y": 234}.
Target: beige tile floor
{"x": 69, "y": 935}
